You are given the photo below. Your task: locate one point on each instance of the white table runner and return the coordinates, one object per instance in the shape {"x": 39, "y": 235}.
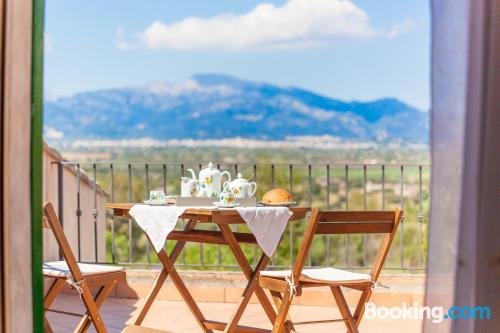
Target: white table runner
{"x": 266, "y": 223}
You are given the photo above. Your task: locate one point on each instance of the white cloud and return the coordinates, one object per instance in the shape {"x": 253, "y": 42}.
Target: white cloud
{"x": 52, "y": 133}
{"x": 297, "y": 23}
{"x": 401, "y": 28}
{"x": 120, "y": 41}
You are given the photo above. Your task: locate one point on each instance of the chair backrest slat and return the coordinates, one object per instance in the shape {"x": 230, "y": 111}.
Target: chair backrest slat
{"x": 385, "y": 246}
{"x": 62, "y": 241}
{"x": 357, "y": 216}
{"x": 350, "y": 222}
{"x": 354, "y": 228}
{"x": 306, "y": 244}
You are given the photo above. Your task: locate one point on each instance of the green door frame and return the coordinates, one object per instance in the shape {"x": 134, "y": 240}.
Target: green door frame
{"x": 37, "y": 163}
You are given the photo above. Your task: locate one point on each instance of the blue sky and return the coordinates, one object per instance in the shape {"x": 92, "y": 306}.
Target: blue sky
{"x": 361, "y": 49}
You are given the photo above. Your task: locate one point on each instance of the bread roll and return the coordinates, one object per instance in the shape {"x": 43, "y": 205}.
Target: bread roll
{"x": 276, "y": 195}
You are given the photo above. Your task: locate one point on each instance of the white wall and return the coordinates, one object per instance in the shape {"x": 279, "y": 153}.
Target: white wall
{"x": 70, "y": 187}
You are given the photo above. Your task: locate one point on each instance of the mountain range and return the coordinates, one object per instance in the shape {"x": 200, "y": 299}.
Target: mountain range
{"x": 214, "y": 106}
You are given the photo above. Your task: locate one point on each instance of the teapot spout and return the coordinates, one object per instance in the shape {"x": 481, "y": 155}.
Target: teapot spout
{"x": 193, "y": 174}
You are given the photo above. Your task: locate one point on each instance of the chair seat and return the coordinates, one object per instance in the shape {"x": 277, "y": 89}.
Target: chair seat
{"x": 322, "y": 275}
{"x": 60, "y": 269}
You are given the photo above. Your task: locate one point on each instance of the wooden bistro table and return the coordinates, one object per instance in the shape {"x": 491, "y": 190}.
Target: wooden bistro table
{"x": 223, "y": 219}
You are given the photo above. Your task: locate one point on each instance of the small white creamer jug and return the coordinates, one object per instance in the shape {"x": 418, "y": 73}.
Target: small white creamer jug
{"x": 189, "y": 186}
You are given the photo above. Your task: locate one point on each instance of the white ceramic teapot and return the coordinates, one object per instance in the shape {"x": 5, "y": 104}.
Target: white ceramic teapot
{"x": 211, "y": 181}
{"x": 240, "y": 187}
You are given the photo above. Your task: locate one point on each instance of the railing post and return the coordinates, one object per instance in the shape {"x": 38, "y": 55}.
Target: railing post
{"x": 130, "y": 239}
{"x": 328, "y": 245}
{"x": 200, "y": 245}
{"x": 290, "y": 167}
{"x": 309, "y": 181}
{"x": 60, "y": 197}
{"x": 95, "y": 212}
{"x": 112, "y": 193}
{"x": 78, "y": 211}
{"x": 165, "y": 179}
{"x": 255, "y": 245}
{"x": 148, "y": 254}
{"x": 346, "y": 237}
{"x": 383, "y": 187}
{"x": 420, "y": 217}
{"x": 401, "y": 240}
{"x": 365, "y": 237}
{"x": 273, "y": 182}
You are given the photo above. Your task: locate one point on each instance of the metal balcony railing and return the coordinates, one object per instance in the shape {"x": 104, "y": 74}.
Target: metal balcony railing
{"x": 336, "y": 186}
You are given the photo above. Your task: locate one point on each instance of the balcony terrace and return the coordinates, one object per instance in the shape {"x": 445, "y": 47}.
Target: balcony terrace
{"x": 210, "y": 271}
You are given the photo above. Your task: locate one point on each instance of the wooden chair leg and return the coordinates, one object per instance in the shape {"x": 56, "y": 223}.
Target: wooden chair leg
{"x": 344, "y": 309}
{"x": 279, "y": 323}
{"x": 46, "y": 325}
{"x": 99, "y": 299}
{"x": 360, "y": 308}
{"x": 277, "y": 298}
{"x": 54, "y": 290}
{"x": 92, "y": 310}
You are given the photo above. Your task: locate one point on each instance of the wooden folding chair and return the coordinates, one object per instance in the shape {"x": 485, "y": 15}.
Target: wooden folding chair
{"x": 285, "y": 285}
{"x": 79, "y": 276}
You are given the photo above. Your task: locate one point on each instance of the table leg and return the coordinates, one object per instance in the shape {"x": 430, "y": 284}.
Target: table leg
{"x": 181, "y": 287}
{"x": 161, "y": 278}
{"x": 252, "y": 276}
{"x": 245, "y": 297}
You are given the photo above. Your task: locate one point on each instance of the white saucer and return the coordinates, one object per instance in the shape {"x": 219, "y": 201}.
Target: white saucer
{"x": 222, "y": 205}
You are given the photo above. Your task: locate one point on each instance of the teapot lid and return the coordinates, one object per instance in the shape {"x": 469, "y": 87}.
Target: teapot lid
{"x": 211, "y": 169}
{"x": 240, "y": 177}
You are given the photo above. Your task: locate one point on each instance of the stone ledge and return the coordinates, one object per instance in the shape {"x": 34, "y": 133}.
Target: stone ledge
{"x": 223, "y": 286}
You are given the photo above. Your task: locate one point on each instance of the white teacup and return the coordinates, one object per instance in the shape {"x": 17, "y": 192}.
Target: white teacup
{"x": 156, "y": 195}
{"x": 227, "y": 198}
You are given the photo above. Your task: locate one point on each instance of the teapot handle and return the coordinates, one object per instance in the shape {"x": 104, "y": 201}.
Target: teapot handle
{"x": 252, "y": 192}
{"x": 225, "y": 187}
{"x": 226, "y": 173}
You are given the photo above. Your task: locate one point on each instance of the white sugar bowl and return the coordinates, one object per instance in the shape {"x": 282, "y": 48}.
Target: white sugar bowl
{"x": 241, "y": 188}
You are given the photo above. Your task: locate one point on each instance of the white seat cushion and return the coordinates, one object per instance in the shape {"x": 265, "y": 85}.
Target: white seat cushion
{"x": 60, "y": 268}
{"x": 327, "y": 274}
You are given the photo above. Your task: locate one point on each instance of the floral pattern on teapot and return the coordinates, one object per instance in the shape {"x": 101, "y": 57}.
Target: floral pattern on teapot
{"x": 211, "y": 181}
{"x": 240, "y": 187}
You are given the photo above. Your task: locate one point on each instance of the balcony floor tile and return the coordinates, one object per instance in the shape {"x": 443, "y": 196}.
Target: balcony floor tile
{"x": 175, "y": 316}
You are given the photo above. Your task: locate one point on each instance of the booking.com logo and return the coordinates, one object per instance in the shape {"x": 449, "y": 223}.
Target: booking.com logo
{"x": 436, "y": 313}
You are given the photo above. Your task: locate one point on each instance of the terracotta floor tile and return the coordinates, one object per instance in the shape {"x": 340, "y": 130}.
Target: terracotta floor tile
{"x": 175, "y": 316}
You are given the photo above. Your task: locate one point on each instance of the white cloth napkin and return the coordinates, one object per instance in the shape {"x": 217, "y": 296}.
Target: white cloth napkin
{"x": 267, "y": 224}
{"x": 157, "y": 221}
